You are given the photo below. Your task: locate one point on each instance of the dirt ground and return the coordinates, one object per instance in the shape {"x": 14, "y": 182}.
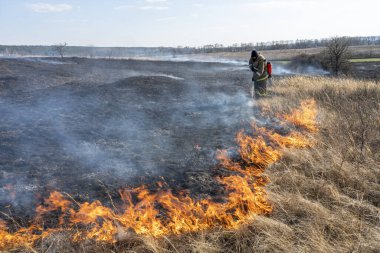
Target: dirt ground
{"x": 88, "y": 127}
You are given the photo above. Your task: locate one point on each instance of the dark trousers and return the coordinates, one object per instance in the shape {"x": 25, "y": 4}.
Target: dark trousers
{"x": 260, "y": 88}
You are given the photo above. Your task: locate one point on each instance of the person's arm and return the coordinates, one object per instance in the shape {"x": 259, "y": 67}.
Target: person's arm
{"x": 260, "y": 68}
{"x": 251, "y": 65}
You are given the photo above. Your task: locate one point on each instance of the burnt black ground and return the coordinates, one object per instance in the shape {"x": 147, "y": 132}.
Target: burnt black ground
{"x": 366, "y": 70}
{"x": 90, "y": 126}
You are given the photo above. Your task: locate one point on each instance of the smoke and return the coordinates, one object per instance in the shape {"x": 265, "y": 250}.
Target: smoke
{"x": 279, "y": 68}
{"x": 156, "y": 120}
{"x": 48, "y": 61}
{"x": 189, "y": 58}
{"x": 96, "y": 123}
{"x": 16, "y": 191}
{"x": 297, "y": 69}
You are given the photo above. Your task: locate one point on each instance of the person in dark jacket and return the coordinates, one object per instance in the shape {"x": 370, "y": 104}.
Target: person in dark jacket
{"x": 258, "y": 65}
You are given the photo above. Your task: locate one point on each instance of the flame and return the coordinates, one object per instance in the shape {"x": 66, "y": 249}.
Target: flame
{"x": 305, "y": 117}
{"x": 161, "y": 212}
{"x": 292, "y": 140}
{"x": 22, "y": 238}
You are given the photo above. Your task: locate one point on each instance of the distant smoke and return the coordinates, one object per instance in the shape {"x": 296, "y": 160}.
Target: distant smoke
{"x": 279, "y": 68}
{"x": 284, "y": 69}
{"x": 188, "y": 57}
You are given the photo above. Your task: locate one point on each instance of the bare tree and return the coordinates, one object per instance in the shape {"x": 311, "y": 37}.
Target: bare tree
{"x": 60, "y": 48}
{"x": 337, "y": 55}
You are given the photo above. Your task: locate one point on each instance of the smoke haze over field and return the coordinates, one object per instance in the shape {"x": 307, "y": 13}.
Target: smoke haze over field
{"x": 154, "y": 120}
{"x": 78, "y": 124}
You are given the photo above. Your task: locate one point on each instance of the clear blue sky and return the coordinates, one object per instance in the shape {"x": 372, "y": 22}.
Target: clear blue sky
{"x": 182, "y": 22}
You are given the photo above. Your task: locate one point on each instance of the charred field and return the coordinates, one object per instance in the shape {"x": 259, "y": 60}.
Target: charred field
{"x": 82, "y": 126}
{"x": 76, "y": 131}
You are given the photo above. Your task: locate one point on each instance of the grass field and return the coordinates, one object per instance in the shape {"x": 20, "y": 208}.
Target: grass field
{"x": 361, "y": 52}
{"x": 325, "y": 198}
{"x": 366, "y": 60}
{"x": 351, "y": 60}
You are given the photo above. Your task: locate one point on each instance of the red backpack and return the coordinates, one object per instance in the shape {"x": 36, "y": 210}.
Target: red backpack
{"x": 269, "y": 69}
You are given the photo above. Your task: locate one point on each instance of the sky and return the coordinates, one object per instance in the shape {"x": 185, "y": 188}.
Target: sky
{"x": 152, "y": 23}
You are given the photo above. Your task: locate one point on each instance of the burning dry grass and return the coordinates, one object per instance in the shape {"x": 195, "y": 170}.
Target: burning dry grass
{"x": 325, "y": 198}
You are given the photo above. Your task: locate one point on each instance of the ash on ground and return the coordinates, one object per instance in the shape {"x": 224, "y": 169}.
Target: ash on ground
{"x": 88, "y": 127}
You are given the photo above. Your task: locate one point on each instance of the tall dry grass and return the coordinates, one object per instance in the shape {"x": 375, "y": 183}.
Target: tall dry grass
{"x": 372, "y": 51}
{"x": 330, "y": 195}
{"x": 325, "y": 198}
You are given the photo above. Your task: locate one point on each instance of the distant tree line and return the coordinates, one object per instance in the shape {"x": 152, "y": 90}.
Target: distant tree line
{"x": 62, "y": 49}
{"x": 288, "y": 44}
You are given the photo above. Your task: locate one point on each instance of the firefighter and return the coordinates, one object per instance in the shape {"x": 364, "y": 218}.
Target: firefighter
{"x": 258, "y": 65}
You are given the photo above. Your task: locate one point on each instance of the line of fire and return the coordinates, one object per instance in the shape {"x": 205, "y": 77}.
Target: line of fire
{"x": 157, "y": 210}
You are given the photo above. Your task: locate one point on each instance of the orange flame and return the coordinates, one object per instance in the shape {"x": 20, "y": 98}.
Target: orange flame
{"x": 161, "y": 212}
{"x": 292, "y": 140}
{"x": 305, "y": 117}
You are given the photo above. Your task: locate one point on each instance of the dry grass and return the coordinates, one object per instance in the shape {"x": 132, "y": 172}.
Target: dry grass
{"x": 279, "y": 55}
{"x": 289, "y": 54}
{"x": 325, "y": 199}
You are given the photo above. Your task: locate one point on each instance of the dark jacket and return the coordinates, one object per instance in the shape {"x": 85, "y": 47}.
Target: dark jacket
{"x": 259, "y": 68}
